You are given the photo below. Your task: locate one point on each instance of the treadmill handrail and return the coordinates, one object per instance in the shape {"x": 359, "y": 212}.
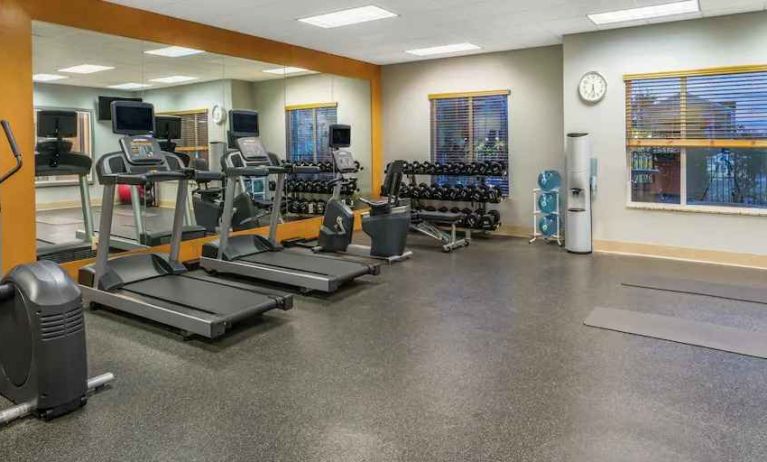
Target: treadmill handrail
{"x": 260, "y": 171}
{"x": 144, "y": 178}
{"x": 205, "y": 176}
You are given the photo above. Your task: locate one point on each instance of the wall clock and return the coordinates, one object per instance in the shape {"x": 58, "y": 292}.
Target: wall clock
{"x": 218, "y": 114}
{"x": 592, "y": 87}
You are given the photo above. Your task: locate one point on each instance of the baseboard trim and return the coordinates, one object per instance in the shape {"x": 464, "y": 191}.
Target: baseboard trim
{"x": 65, "y": 205}
{"x": 514, "y": 231}
{"x": 717, "y": 257}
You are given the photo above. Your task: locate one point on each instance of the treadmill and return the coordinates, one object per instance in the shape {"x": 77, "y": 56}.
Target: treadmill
{"x": 257, "y": 257}
{"x": 54, "y": 157}
{"x": 157, "y": 286}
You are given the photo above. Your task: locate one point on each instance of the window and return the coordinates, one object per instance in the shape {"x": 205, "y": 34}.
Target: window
{"x": 308, "y": 130}
{"x": 82, "y": 144}
{"x": 471, "y": 127}
{"x": 698, "y": 139}
{"x": 194, "y": 132}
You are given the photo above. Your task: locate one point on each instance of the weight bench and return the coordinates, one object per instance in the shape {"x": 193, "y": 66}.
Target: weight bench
{"x": 426, "y": 223}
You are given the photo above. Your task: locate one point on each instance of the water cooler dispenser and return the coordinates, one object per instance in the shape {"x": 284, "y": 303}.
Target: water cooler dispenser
{"x": 580, "y": 187}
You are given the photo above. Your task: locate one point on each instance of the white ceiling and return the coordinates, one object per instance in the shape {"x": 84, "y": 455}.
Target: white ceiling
{"x": 494, "y": 25}
{"x": 56, "y": 47}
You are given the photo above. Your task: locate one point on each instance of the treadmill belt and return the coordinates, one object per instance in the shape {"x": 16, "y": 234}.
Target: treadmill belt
{"x": 308, "y": 264}
{"x": 198, "y": 294}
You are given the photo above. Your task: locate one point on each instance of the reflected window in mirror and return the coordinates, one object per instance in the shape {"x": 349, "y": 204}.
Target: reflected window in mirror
{"x": 194, "y": 134}
{"x": 308, "y": 130}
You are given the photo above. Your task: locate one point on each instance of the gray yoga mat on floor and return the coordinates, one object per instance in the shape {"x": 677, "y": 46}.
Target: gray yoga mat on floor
{"x": 711, "y": 289}
{"x": 678, "y": 330}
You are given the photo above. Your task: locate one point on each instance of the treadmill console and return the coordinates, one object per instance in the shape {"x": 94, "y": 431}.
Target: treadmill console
{"x": 142, "y": 150}
{"x": 344, "y": 161}
{"x": 253, "y": 150}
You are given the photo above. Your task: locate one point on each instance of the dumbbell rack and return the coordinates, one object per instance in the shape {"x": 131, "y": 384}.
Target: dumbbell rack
{"x": 482, "y": 205}
{"x": 537, "y": 214}
{"x": 298, "y": 195}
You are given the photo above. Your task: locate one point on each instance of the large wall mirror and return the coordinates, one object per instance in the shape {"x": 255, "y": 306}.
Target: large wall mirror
{"x": 77, "y": 73}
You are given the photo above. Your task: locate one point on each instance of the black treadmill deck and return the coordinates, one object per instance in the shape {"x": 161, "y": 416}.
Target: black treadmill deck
{"x": 201, "y": 295}
{"x": 322, "y": 266}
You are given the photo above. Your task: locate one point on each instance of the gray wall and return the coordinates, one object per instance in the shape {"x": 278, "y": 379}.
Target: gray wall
{"x": 722, "y": 41}
{"x": 534, "y": 77}
{"x": 69, "y": 97}
{"x": 354, "y": 106}
{"x": 203, "y": 95}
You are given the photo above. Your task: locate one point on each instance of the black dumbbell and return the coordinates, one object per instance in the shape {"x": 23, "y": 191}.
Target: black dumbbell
{"x": 472, "y": 219}
{"x": 311, "y": 207}
{"x": 416, "y": 167}
{"x": 455, "y": 210}
{"x": 404, "y": 191}
{"x": 486, "y": 221}
{"x": 456, "y": 192}
{"x": 496, "y": 217}
{"x": 321, "y": 207}
{"x": 435, "y": 192}
{"x": 493, "y": 194}
{"x": 430, "y": 208}
{"x": 406, "y": 168}
{"x": 495, "y": 169}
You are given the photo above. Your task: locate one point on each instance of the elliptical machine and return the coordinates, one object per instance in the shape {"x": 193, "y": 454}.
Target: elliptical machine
{"x": 43, "y": 359}
{"x": 387, "y": 223}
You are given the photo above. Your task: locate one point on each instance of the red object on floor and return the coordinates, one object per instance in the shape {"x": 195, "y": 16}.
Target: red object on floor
{"x": 123, "y": 194}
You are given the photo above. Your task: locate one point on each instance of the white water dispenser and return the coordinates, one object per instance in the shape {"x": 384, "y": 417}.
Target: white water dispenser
{"x": 579, "y": 193}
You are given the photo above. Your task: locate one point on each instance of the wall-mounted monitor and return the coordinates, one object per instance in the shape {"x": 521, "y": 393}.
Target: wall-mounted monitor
{"x": 105, "y": 105}
{"x": 167, "y": 127}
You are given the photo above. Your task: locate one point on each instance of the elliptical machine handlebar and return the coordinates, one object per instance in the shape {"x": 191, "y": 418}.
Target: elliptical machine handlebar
{"x": 14, "y": 148}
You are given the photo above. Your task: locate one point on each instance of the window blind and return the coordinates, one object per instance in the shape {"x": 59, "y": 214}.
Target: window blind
{"x": 194, "y": 130}
{"x": 698, "y": 138}
{"x": 687, "y": 109}
{"x": 471, "y": 127}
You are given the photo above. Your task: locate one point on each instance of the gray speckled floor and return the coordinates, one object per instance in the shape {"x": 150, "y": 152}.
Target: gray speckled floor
{"x": 476, "y": 356}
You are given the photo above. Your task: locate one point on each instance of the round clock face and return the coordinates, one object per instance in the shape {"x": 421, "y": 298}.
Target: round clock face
{"x": 593, "y": 87}
{"x": 219, "y": 115}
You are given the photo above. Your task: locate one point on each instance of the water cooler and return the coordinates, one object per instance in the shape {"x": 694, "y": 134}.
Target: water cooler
{"x": 580, "y": 184}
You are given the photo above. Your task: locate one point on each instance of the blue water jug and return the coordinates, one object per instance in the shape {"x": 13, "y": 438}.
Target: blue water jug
{"x": 547, "y": 225}
{"x": 547, "y": 202}
{"x": 549, "y": 180}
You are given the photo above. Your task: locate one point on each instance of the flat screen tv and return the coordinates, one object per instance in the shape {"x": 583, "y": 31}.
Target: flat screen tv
{"x": 105, "y": 105}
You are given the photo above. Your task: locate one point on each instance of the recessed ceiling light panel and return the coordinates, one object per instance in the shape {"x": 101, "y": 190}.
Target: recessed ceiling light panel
{"x": 86, "y": 69}
{"x": 646, "y": 12}
{"x": 130, "y": 86}
{"x": 444, "y": 49}
{"x": 47, "y": 77}
{"x": 348, "y": 17}
{"x": 174, "y": 79}
{"x": 286, "y": 70}
{"x": 174, "y": 52}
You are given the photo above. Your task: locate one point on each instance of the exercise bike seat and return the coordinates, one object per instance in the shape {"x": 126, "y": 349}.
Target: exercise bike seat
{"x": 377, "y": 207}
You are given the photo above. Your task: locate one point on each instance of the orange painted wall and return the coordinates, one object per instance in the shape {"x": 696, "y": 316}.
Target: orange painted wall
{"x": 17, "y": 195}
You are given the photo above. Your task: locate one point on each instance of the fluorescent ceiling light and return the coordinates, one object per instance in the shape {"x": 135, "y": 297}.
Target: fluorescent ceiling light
{"x": 348, "y": 17}
{"x": 86, "y": 69}
{"x": 647, "y": 12}
{"x": 47, "y": 77}
{"x": 174, "y": 79}
{"x": 285, "y": 70}
{"x": 129, "y": 86}
{"x": 456, "y": 47}
{"x": 174, "y": 52}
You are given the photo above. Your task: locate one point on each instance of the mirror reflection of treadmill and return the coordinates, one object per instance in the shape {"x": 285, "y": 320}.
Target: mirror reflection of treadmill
{"x": 135, "y": 227}
{"x": 54, "y": 157}
{"x": 157, "y": 286}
